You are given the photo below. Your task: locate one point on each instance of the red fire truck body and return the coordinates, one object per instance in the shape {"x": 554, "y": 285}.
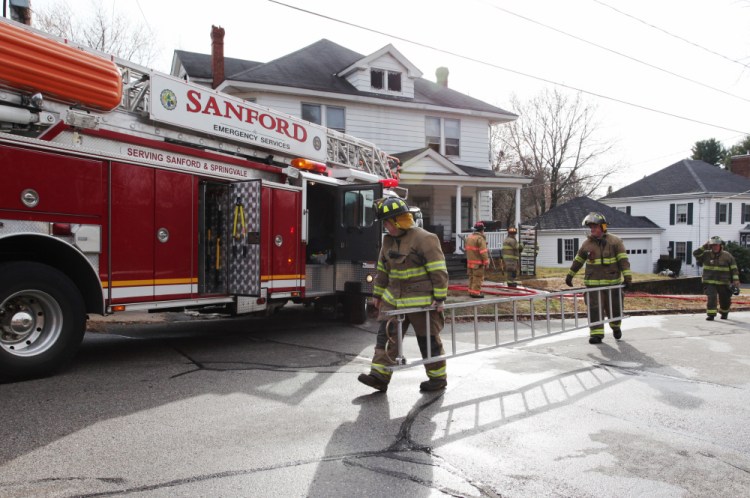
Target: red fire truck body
{"x": 165, "y": 195}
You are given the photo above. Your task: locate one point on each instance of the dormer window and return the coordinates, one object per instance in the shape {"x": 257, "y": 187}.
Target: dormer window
{"x": 380, "y": 79}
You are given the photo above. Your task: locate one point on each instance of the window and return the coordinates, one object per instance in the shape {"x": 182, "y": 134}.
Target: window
{"x": 466, "y": 219}
{"x": 681, "y": 213}
{"x": 566, "y": 250}
{"x": 358, "y": 208}
{"x": 380, "y": 77}
{"x": 680, "y": 251}
{"x": 443, "y": 135}
{"x": 723, "y": 212}
{"x": 745, "y": 213}
{"x": 335, "y": 117}
{"x": 569, "y": 252}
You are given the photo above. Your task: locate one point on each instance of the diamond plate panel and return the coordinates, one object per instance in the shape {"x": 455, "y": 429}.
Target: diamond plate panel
{"x": 244, "y": 238}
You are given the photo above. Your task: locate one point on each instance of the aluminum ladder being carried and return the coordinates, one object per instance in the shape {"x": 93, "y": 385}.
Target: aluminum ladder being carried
{"x": 560, "y": 312}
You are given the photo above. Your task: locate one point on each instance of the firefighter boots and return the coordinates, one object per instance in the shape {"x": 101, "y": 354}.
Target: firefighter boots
{"x": 617, "y": 333}
{"x": 595, "y": 339}
{"x": 433, "y": 385}
{"x": 724, "y": 316}
{"x": 710, "y": 318}
{"x": 373, "y": 381}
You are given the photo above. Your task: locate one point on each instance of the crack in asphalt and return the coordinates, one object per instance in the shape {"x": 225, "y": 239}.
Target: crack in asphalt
{"x": 398, "y": 450}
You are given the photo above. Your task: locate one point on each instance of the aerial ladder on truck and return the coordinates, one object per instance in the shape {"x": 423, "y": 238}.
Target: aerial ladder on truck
{"x": 120, "y": 195}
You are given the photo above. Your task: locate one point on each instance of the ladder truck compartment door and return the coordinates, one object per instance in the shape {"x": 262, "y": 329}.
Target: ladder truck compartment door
{"x": 152, "y": 241}
{"x": 244, "y": 238}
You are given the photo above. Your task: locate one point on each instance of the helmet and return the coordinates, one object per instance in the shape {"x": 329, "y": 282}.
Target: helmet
{"x": 595, "y": 219}
{"x": 390, "y": 207}
{"x": 479, "y": 226}
{"x": 715, "y": 240}
{"x": 512, "y": 230}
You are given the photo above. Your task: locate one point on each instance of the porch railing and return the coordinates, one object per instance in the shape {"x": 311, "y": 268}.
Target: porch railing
{"x": 494, "y": 240}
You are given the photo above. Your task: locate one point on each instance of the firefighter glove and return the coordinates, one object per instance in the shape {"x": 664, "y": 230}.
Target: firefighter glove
{"x": 569, "y": 280}
{"x": 735, "y": 290}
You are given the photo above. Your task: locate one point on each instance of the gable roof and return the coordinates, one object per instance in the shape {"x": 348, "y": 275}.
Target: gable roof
{"x": 316, "y": 67}
{"x": 569, "y": 216}
{"x": 685, "y": 177}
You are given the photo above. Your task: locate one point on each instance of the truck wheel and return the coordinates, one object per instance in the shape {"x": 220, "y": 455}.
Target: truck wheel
{"x": 42, "y": 320}
{"x": 355, "y": 309}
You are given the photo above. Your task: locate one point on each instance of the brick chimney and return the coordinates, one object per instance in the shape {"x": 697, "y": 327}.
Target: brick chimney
{"x": 217, "y": 55}
{"x": 441, "y": 74}
{"x": 740, "y": 165}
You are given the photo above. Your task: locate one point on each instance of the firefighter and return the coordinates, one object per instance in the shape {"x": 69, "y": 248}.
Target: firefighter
{"x": 606, "y": 264}
{"x": 720, "y": 276}
{"x": 411, "y": 273}
{"x": 511, "y": 256}
{"x": 477, "y": 259}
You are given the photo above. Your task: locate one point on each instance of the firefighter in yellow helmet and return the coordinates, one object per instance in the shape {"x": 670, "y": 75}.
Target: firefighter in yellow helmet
{"x": 720, "y": 276}
{"x": 411, "y": 273}
{"x": 512, "y": 256}
{"x": 606, "y": 264}
{"x": 477, "y": 259}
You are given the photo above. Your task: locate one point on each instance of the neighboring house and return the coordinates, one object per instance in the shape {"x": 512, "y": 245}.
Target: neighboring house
{"x": 440, "y": 135}
{"x": 560, "y": 234}
{"x": 692, "y": 201}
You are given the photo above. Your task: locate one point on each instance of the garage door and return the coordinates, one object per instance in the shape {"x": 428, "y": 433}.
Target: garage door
{"x": 639, "y": 254}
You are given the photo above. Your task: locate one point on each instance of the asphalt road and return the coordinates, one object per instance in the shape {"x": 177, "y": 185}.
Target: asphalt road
{"x": 271, "y": 407}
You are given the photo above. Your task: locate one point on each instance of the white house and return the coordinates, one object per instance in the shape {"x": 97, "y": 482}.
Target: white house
{"x": 560, "y": 234}
{"x": 692, "y": 201}
{"x": 440, "y": 135}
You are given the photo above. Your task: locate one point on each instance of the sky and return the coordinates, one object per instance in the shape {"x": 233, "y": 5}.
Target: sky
{"x": 661, "y": 74}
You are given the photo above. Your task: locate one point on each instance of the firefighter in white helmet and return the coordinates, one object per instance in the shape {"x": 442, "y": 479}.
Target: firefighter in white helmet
{"x": 720, "y": 276}
{"x": 411, "y": 273}
{"x": 606, "y": 264}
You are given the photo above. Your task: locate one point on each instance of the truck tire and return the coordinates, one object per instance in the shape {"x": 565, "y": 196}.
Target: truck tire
{"x": 355, "y": 309}
{"x": 42, "y": 320}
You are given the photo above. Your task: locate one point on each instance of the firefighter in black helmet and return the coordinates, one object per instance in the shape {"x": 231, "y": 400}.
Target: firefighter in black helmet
{"x": 477, "y": 259}
{"x": 606, "y": 264}
{"x": 512, "y": 256}
{"x": 411, "y": 273}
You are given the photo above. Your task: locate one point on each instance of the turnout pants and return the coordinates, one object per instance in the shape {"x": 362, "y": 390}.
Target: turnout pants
{"x": 724, "y": 294}
{"x": 476, "y": 279}
{"x": 599, "y": 308}
{"x": 386, "y": 346}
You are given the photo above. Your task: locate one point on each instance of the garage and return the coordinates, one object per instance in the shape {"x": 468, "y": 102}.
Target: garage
{"x": 639, "y": 254}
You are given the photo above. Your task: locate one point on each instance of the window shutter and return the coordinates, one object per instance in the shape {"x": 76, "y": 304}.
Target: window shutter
{"x": 575, "y": 246}
{"x": 717, "y": 213}
{"x": 671, "y": 214}
{"x": 742, "y": 214}
{"x": 670, "y": 248}
{"x": 689, "y": 254}
{"x": 690, "y": 213}
{"x": 559, "y": 251}
{"x": 729, "y": 216}
{"x": 627, "y": 209}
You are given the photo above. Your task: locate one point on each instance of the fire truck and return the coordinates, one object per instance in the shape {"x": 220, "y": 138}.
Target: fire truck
{"x": 127, "y": 189}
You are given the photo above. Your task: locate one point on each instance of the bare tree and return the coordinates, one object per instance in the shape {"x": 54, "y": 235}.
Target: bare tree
{"x": 553, "y": 141}
{"x": 111, "y": 33}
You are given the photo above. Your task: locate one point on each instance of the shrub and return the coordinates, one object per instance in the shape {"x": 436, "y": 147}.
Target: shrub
{"x": 742, "y": 257}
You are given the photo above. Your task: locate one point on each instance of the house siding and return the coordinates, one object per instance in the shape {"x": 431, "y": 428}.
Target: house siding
{"x": 392, "y": 129}
{"x": 703, "y": 221}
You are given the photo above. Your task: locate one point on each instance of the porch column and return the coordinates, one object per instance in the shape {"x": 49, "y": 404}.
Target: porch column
{"x": 458, "y": 220}
{"x": 518, "y": 209}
